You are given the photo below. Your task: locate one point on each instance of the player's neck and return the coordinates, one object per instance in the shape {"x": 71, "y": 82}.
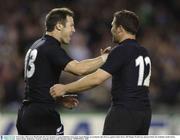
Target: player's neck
{"x": 127, "y": 36}
{"x": 53, "y": 34}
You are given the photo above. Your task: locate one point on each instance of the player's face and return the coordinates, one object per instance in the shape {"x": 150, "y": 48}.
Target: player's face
{"x": 67, "y": 30}
{"x": 114, "y": 32}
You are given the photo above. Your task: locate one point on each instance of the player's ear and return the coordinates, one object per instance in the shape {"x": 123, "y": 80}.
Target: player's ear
{"x": 59, "y": 26}
{"x": 119, "y": 29}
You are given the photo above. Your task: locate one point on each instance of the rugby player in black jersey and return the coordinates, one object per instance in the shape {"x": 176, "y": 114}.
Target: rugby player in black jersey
{"x": 44, "y": 62}
{"x": 129, "y": 65}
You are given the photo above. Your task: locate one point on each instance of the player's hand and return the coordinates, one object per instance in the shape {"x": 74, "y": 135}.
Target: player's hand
{"x": 57, "y": 90}
{"x": 68, "y": 101}
{"x": 106, "y": 50}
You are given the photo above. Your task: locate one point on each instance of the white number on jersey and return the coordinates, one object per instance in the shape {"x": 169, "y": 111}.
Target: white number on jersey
{"x": 140, "y": 62}
{"x": 29, "y": 62}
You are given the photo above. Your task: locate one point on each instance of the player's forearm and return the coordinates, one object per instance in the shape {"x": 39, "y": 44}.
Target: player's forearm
{"x": 91, "y": 65}
{"x": 84, "y": 83}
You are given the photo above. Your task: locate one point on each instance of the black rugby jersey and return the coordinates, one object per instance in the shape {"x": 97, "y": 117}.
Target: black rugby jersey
{"x": 130, "y": 67}
{"x": 44, "y": 62}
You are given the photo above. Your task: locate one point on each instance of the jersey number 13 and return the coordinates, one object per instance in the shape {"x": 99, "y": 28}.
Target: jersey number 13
{"x": 29, "y": 67}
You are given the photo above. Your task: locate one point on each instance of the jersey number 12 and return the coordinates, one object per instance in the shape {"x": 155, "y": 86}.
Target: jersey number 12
{"x": 142, "y": 63}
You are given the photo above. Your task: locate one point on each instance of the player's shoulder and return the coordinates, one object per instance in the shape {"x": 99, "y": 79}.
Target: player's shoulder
{"x": 48, "y": 45}
{"x": 127, "y": 44}
{"x": 42, "y": 45}
{"x": 118, "y": 47}
{"x": 142, "y": 49}
{"x": 124, "y": 48}
{"x": 36, "y": 44}
{"x": 135, "y": 47}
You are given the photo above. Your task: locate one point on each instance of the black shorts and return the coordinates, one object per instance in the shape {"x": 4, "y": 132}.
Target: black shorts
{"x": 122, "y": 121}
{"x": 38, "y": 119}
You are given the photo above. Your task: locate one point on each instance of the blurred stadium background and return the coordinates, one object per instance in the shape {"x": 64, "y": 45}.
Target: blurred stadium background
{"x": 21, "y": 23}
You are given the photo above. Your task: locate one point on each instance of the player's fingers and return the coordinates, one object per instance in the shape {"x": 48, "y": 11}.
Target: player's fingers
{"x": 107, "y": 49}
{"x": 76, "y": 104}
{"x": 76, "y": 101}
{"x": 53, "y": 94}
{"x": 52, "y": 89}
{"x": 73, "y": 99}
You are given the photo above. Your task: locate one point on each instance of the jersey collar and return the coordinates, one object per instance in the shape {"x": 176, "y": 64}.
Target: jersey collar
{"x": 127, "y": 40}
{"x": 52, "y": 39}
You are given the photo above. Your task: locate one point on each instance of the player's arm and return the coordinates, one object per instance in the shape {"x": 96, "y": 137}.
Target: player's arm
{"x": 84, "y": 83}
{"x": 85, "y": 67}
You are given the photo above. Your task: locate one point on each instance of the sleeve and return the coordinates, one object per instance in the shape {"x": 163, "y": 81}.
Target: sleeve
{"x": 58, "y": 56}
{"x": 116, "y": 59}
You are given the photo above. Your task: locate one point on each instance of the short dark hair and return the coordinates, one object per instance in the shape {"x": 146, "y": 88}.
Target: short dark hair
{"x": 57, "y": 15}
{"x": 128, "y": 20}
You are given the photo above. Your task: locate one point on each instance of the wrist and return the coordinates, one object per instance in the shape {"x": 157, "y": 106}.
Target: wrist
{"x": 66, "y": 89}
{"x": 63, "y": 92}
{"x": 104, "y": 57}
